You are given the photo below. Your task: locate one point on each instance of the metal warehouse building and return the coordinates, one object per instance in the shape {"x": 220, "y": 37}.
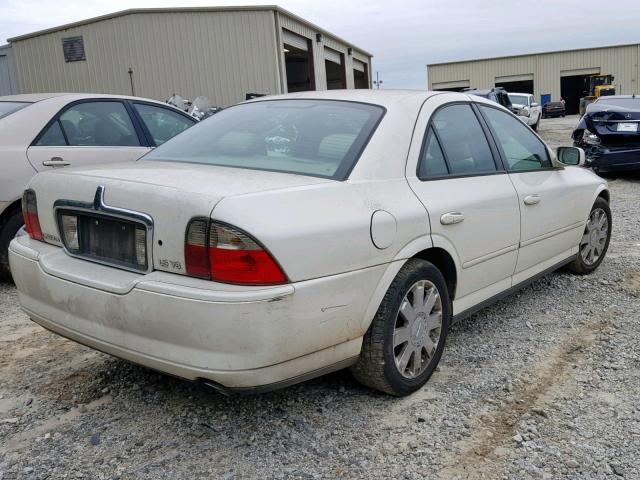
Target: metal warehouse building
{"x": 548, "y": 75}
{"x": 223, "y": 53}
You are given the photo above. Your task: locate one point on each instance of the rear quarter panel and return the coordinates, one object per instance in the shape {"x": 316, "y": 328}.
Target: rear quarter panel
{"x": 323, "y": 230}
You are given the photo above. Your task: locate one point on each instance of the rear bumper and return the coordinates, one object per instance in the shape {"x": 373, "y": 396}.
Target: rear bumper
{"x": 235, "y": 338}
{"x": 606, "y": 159}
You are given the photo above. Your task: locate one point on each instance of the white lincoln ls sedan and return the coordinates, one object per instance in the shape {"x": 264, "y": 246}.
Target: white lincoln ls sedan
{"x": 295, "y": 235}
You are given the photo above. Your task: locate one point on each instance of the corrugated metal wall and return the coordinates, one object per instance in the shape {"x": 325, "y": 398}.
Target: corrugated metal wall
{"x": 547, "y": 68}
{"x": 222, "y": 55}
{"x": 7, "y": 71}
{"x": 293, "y": 25}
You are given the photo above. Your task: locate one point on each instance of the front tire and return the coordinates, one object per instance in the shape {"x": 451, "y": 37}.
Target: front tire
{"x": 405, "y": 341}
{"x": 8, "y": 230}
{"x": 595, "y": 239}
{"x": 535, "y": 126}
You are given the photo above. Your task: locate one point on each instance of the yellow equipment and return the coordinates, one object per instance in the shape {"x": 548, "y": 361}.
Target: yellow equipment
{"x": 596, "y": 86}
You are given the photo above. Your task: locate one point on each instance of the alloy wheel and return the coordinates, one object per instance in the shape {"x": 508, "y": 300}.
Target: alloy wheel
{"x": 595, "y": 236}
{"x": 417, "y": 329}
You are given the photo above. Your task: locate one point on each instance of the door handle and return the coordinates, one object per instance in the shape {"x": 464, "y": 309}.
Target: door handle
{"x": 532, "y": 199}
{"x": 451, "y": 218}
{"x": 56, "y": 162}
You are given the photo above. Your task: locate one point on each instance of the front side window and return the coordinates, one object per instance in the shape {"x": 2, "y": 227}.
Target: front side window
{"x": 161, "y": 122}
{"x": 463, "y": 141}
{"x": 321, "y": 138}
{"x": 521, "y": 148}
{"x": 105, "y": 124}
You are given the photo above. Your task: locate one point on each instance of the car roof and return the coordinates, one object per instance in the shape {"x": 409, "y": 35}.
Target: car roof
{"x": 68, "y": 97}
{"x": 619, "y": 96}
{"x": 517, "y": 93}
{"x": 383, "y": 98}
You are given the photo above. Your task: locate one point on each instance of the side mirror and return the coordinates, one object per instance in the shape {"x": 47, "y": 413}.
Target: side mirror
{"x": 571, "y": 155}
{"x": 534, "y": 105}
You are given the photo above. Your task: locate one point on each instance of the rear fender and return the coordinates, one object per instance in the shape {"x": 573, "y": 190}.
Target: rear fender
{"x": 411, "y": 250}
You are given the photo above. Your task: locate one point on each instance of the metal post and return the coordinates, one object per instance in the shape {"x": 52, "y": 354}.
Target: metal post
{"x": 130, "y": 72}
{"x": 377, "y": 82}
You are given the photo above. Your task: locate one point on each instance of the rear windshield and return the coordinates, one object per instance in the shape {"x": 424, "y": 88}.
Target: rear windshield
{"x": 321, "y": 138}
{"x": 7, "y": 108}
{"x": 620, "y": 102}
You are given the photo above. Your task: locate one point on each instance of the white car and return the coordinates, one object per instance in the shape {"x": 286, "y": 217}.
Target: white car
{"x": 528, "y": 109}
{"x": 49, "y": 130}
{"x": 294, "y": 235}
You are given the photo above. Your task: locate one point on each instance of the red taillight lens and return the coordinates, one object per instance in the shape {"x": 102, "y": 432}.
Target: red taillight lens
{"x": 226, "y": 254}
{"x": 30, "y": 215}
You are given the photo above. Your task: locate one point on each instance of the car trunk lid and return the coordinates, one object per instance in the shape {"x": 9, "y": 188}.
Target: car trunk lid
{"x": 119, "y": 208}
{"x": 621, "y": 125}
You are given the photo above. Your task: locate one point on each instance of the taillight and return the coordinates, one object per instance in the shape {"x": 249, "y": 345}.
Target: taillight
{"x": 223, "y": 253}
{"x": 30, "y": 215}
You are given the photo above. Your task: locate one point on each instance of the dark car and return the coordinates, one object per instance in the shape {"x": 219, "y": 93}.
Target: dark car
{"x": 553, "y": 109}
{"x": 496, "y": 94}
{"x": 609, "y": 133}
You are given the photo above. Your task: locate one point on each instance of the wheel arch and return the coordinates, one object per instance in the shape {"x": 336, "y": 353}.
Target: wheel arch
{"x": 604, "y": 193}
{"x": 10, "y": 210}
{"x": 441, "y": 257}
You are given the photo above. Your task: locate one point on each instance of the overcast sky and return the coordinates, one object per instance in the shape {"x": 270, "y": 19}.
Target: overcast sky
{"x": 404, "y": 36}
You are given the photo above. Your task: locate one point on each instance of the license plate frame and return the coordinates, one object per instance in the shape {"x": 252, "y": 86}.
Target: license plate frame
{"x": 108, "y": 240}
{"x": 627, "y": 127}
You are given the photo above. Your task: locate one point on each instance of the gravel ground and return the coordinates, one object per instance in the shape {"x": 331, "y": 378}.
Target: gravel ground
{"x": 542, "y": 385}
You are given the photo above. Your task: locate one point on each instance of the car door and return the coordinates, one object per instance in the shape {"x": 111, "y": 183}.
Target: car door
{"x": 162, "y": 123}
{"x": 551, "y": 220}
{"x": 471, "y": 203}
{"x": 85, "y": 133}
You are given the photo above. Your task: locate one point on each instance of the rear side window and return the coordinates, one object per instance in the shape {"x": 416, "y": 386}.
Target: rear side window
{"x": 161, "y": 122}
{"x": 104, "y": 124}
{"x": 322, "y": 138}
{"x": 432, "y": 162}
{"x": 521, "y": 148}
{"x": 7, "y": 108}
{"x": 53, "y": 137}
{"x": 462, "y": 140}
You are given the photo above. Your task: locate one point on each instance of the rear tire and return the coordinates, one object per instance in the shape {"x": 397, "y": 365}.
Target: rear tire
{"x": 8, "y": 230}
{"x": 399, "y": 354}
{"x": 595, "y": 240}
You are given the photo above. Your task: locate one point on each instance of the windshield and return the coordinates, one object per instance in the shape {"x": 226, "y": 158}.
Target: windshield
{"x": 322, "y": 138}
{"x": 620, "y": 102}
{"x": 519, "y": 99}
{"x": 7, "y": 108}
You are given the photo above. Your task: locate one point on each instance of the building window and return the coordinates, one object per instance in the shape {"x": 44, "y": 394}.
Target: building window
{"x": 73, "y": 48}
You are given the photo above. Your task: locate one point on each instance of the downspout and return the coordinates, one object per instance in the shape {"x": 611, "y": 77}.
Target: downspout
{"x": 282, "y": 73}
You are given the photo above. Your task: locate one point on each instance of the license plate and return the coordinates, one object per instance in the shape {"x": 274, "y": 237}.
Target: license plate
{"x": 627, "y": 127}
{"x": 109, "y": 240}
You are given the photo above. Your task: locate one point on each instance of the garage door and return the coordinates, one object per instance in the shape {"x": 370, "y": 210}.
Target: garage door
{"x": 297, "y": 41}
{"x": 453, "y": 86}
